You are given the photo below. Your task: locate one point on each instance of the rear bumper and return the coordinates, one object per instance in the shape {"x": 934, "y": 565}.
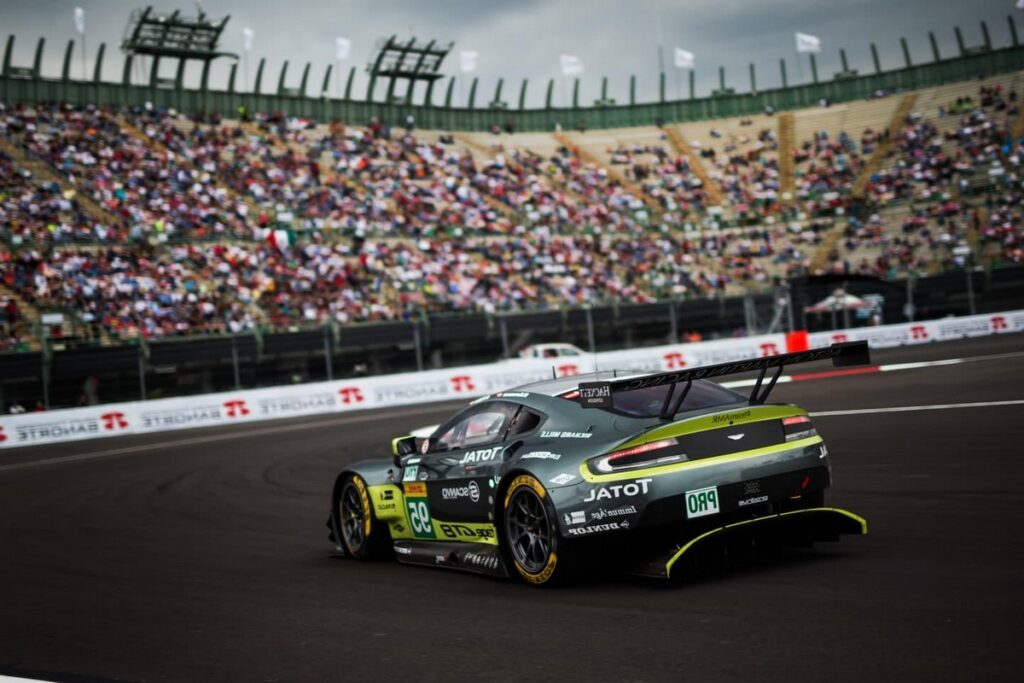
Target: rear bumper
{"x": 795, "y": 527}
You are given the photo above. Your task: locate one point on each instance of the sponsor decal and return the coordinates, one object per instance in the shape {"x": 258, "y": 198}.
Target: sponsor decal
{"x": 402, "y": 550}
{"x": 351, "y": 395}
{"x": 512, "y": 394}
{"x": 562, "y": 479}
{"x": 565, "y": 435}
{"x": 440, "y": 559}
{"x": 3, "y": 437}
{"x": 466, "y": 531}
{"x": 387, "y": 494}
{"x": 481, "y": 455}
{"x": 415, "y": 489}
{"x": 295, "y": 405}
{"x": 387, "y": 507}
{"x": 182, "y": 417}
{"x": 730, "y": 417}
{"x": 114, "y": 421}
{"x": 411, "y": 391}
{"x": 597, "y": 528}
{"x": 753, "y": 501}
{"x": 461, "y": 383}
{"x": 702, "y": 502}
{"x": 471, "y": 491}
{"x": 236, "y": 408}
{"x": 575, "y": 517}
{"x": 419, "y": 515}
{"x": 567, "y": 370}
{"x": 735, "y": 437}
{"x": 633, "y": 488}
{"x": 614, "y": 512}
{"x": 999, "y": 323}
{"x": 595, "y": 394}
{"x": 63, "y": 429}
{"x": 769, "y": 349}
{"x": 542, "y": 455}
{"x": 751, "y": 487}
{"x": 840, "y": 338}
{"x": 674, "y": 361}
{"x": 918, "y": 332}
{"x": 409, "y": 472}
{"x": 481, "y": 560}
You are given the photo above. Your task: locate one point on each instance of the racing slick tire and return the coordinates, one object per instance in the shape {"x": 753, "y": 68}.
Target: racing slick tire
{"x": 530, "y": 536}
{"x": 362, "y": 536}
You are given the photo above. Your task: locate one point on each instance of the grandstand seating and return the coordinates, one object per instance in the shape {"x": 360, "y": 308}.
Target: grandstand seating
{"x": 146, "y": 223}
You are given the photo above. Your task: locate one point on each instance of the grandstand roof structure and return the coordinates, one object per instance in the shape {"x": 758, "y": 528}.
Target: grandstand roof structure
{"x": 28, "y": 84}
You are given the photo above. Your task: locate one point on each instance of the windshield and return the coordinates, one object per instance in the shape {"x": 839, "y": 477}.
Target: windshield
{"x": 648, "y": 402}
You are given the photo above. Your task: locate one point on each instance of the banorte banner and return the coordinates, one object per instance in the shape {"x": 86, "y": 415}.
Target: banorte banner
{"x": 258, "y": 405}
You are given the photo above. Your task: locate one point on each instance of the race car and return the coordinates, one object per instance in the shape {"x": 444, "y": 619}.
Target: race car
{"x": 549, "y": 478}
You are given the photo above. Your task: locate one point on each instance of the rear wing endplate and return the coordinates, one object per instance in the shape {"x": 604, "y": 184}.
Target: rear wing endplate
{"x": 842, "y": 355}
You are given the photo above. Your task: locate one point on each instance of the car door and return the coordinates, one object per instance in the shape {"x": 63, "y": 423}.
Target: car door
{"x": 449, "y": 491}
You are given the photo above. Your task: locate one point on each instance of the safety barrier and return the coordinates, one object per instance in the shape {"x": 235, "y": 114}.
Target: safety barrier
{"x": 256, "y": 405}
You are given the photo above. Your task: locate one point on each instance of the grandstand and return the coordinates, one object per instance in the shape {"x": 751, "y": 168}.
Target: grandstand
{"x": 125, "y": 220}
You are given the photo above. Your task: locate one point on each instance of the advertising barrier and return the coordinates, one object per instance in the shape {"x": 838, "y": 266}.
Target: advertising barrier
{"x": 257, "y": 405}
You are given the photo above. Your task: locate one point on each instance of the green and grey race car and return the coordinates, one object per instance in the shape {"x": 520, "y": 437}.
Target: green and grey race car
{"x": 645, "y": 471}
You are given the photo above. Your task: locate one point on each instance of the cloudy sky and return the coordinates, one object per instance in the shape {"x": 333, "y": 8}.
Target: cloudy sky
{"x": 520, "y": 39}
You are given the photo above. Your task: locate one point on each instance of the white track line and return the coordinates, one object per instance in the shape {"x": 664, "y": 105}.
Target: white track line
{"x": 910, "y": 409}
{"x": 212, "y": 438}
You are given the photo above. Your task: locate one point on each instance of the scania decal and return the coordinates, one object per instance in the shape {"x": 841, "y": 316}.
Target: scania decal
{"x": 481, "y": 455}
{"x": 633, "y": 488}
{"x": 565, "y": 435}
{"x": 541, "y": 455}
{"x": 471, "y": 491}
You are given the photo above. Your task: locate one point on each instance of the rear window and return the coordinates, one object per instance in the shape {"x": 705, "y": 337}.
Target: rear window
{"x": 648, "y": 402}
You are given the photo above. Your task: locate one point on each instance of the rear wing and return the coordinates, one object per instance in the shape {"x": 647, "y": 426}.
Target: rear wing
{"x": 599, "y": 394}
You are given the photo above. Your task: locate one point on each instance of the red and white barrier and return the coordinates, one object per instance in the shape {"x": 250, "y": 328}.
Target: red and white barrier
{"x": 256, "y": 405}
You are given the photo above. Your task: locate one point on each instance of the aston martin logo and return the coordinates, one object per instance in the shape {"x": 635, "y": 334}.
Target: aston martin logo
{"x": 736, "y": 437}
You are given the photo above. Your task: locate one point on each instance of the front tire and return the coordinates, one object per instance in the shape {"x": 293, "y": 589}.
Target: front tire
{"x": 361, "y": 534}
{"x": 530, "y": 532}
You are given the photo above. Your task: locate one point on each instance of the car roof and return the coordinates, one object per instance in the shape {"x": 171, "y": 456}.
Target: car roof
{"x": 560, "y": 385}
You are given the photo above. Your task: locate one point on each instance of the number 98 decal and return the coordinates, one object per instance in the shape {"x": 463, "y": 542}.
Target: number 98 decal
{"x": 419, "y": 517}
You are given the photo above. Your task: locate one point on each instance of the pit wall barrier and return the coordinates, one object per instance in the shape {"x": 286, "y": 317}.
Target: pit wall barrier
{"x": 340, "y": 396}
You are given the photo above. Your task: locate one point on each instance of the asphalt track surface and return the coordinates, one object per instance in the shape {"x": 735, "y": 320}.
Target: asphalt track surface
{"x": 201, "y": 556}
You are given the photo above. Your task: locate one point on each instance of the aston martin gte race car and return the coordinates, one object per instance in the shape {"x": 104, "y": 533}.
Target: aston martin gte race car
{"x": 646, "y": 469}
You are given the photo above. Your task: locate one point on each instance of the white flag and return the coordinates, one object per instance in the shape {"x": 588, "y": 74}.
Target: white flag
{"x": 247, "y": 39}
{"x": 571, "y": 65}
{"x": 807, "y": 43}
{"x": 342, "y": 46}
{"x": 684, "y": 59}
{"x": 467, "y": 61}
{"x": 80, "y": 20}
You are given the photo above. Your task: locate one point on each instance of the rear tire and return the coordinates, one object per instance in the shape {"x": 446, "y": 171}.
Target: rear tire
{"x": 362, "y": 535}
{"x": 530, "y": 533}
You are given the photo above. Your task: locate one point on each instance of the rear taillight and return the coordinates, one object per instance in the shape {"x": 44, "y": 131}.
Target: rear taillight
{"x": 798, "y": 427}
{"x": 645, "y": 455}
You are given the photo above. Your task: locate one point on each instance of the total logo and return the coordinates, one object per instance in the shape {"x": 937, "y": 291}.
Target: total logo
{"x": 351, "y": 395}
{"x": 481, "y": 455}
{"x": 114, "y": 421}
{"x": 633, "y": 488}
{"x": 471, "y": 491}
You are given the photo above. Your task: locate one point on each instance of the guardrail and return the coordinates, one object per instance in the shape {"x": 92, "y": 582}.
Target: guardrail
{"x": 257, "y": 405}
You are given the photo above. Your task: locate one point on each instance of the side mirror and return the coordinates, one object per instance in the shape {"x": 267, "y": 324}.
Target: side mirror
{"x": 402, "y": 447}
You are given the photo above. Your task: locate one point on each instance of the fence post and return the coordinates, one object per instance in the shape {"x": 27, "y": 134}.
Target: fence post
{"x": 142, "y": 372}
{"x": 673, "y": 322}
{"x": 590, "y": 329}
{"x": 419, "y": 346}
{"x": 327, "y": 354}
{"x": 234, "y": 363}
{"x": 503, "y": 326}
{"x": 44, "y": 358}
